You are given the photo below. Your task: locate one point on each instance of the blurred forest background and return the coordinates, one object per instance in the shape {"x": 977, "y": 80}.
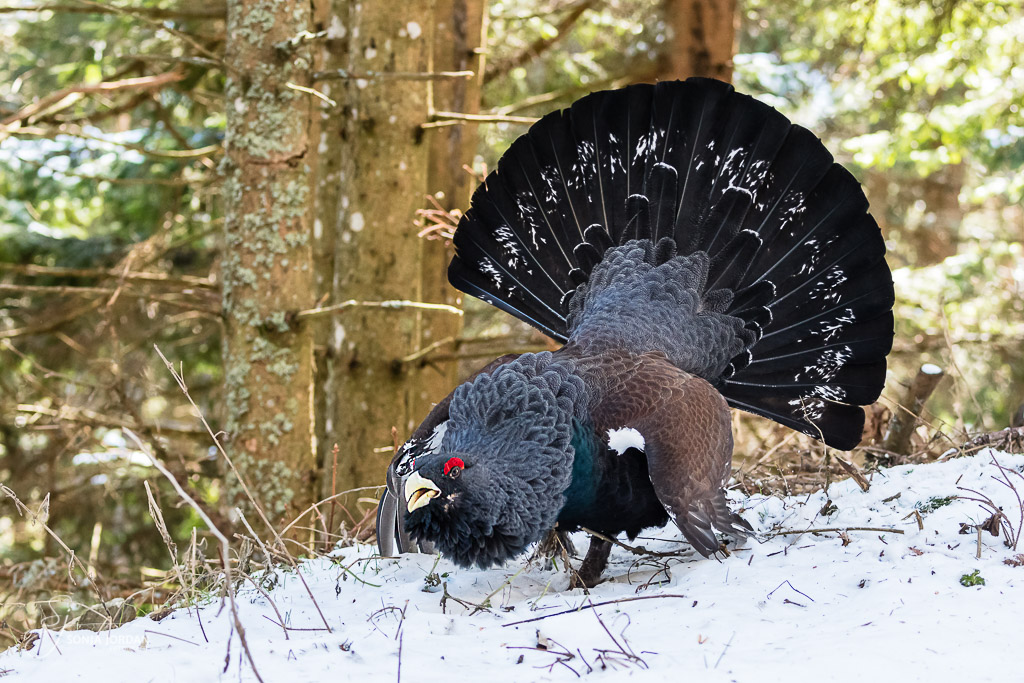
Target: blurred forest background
{"x": 261, "y": 192}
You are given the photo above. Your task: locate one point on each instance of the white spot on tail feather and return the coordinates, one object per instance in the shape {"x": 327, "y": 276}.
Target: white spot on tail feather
{"x": 622, "y": 439}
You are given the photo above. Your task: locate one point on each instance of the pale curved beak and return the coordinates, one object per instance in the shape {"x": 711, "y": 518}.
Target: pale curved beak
{"x": 419, "y": 490}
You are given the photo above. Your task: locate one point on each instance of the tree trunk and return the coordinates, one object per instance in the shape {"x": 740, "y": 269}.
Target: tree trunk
{"x": 704, "y": 38}
{"x": 267, "y": 261}
{"x": 376, "y": 171}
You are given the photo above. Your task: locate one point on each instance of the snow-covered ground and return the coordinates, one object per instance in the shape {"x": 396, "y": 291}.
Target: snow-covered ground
{"x": 869, "y": 606}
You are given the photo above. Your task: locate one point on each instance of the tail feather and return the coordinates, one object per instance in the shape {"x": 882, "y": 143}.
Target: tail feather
{"x": 695, "y": 167}
{"x": 703, "y": 520}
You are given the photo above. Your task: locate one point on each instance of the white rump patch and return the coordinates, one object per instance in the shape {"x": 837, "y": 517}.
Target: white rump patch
{"x": 622, "y": 439}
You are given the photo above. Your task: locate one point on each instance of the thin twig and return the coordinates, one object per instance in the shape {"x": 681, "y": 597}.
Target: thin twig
{"x": 214, "y": 12}
{"x": 86, "y": 416}
{"x": 245, "y": 486}
{"x": 328, "y": 500}
{"x": 168, "y": 635}
{"x": 542, "y": 44}
{"x": 298, "y": 39}
{"x": 636, "y": 550}
{"x": 155, "y": 153}
{"x": 173, "y": 299}
{"x": 164, "y": 182}
{"x": 887, "y": 530}
{"x": 313, "y": 92}
{"x": 273, "y": 606}
{"x": 391, "y": 304}
{"x": 161, "y": 525}
{"x": 591, "y": 605}
{"x": 442, "y": 116}
{"x": 343, "y": 74}
{"x": 416, "y": 355}
{"x": 73, "y": 559}
{"x": 50, "y": 325}
{"x": 768, "y": 454}
{"x": 154, "y": 23}
{"x": 334, "y": 490}
{"x": 107, "y": 273}
{"x": 179, "y": 59}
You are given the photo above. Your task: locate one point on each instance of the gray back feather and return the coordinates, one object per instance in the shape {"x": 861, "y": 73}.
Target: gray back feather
{"x": 635, "y": 304}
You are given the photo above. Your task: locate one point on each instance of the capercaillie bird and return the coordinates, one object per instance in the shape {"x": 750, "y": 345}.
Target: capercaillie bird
{"x": 693, "y": 250}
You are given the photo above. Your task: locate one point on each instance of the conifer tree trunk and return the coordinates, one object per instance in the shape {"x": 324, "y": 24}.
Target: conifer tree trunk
{"x": 375, "y": 171}
{"x": 704, "y": 38}
{"x": 267, "y": 261}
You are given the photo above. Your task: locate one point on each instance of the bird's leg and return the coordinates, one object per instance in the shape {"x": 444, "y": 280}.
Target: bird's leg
{"x": 556, "y": 544}
{"x": 593, "y": 564}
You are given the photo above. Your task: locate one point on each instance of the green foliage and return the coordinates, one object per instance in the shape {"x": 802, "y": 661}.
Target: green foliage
{"x": 923, "y": 102}
{"x": 934, "y": 503}
{"x": 612, "y": 43}
{"x": 972, "y": 579}
{"x": 97, "y": 182}
{"x": 911, "y": 84}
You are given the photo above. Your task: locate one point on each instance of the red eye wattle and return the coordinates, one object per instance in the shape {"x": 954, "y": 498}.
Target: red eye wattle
{"x": 452, "y": 464}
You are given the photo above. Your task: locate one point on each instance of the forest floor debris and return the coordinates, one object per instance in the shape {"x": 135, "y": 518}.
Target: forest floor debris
{"x": 830, "y": 586}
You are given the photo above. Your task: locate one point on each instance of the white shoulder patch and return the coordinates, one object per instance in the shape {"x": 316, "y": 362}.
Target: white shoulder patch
{"x": 434, "y": 444}
{"x": 622, "y": 439}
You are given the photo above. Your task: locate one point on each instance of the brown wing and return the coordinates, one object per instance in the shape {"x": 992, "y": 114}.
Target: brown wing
{"x": 687, "y": 436}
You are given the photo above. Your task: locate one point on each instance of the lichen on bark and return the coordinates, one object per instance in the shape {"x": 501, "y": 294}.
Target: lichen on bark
{"x": 266, "y": 265}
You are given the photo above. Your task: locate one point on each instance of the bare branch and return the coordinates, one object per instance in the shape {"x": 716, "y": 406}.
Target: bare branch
{"x": 312, "y": 91}
{"x": 343, "y": 74}
{"x": 392, "y": 304}
{"x": 155, "y": 23}
{"x": 155, "y": 153}
{"x": 592, "y": 605}
{"x": 62, "y": 99}
{"x": 167, "y": 182}
{"x": 158, "y": 278}
{"x": 180, "y": 59}
{"x": 541, "y": 45}
{"x": 50, "y": 325}
{"x": 85, "y": 416}
{"x": 440, "y": 118}
{"x": 183, "y": 299}
{"x": 215, "y": 11}
{"x": 837, "y": 530}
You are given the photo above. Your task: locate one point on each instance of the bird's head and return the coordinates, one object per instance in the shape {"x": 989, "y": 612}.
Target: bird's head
{"x": 472, "y": 513}
{"x": 497, "y": 482}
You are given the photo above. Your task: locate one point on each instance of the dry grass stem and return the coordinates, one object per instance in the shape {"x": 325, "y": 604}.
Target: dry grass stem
{"x": 242, "y": 482}
{"x": 225, "y": 547}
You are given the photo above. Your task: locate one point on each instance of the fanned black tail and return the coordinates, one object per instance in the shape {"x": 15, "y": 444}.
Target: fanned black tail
{"x": 786, "y": 229}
